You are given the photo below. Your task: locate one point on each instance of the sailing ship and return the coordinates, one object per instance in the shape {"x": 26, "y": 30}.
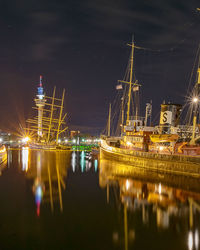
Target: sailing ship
{"x": 140, "y": 142}
{"x": 49, "y": 123}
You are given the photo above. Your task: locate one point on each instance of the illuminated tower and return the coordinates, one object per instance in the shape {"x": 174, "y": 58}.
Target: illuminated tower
{"x": 40, "y": 103}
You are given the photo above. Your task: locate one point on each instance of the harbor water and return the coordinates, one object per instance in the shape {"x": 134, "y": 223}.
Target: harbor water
{"x": 79, "y": 200}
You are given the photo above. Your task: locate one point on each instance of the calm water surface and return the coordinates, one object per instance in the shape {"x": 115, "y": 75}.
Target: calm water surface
{"x": 71, "y": 200}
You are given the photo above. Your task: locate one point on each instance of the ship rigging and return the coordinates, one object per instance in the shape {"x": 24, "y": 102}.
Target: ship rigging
{"x": 50, "y": 121}
{"x": 128, "y": 116}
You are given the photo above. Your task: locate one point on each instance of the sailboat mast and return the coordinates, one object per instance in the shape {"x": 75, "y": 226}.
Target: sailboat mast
{"x": 60, "y": 116}
{"x": 51, "y": 116}
{"x": 130, "y": 81}
{"x": 109, "y": 119}
{"x": 196, "y": 102}
{"x": 122, "y": 118}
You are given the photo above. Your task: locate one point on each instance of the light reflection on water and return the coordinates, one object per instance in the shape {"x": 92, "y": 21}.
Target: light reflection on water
{"x": 48, "y": 171}
{"x": 83, "y": 160}
{"x": 193, "y": 240}
{"x": 131, "y": 203}
{"x": 166, "y": 201}
{"x": 25, "y": 158}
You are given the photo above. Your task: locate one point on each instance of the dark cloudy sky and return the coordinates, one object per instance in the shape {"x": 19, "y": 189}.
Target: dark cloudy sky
{"x": 80, "y": 45}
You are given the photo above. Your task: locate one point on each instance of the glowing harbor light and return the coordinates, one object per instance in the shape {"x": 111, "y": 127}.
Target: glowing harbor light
{"x": 128, "y": 143}
{"x": 161, "y": 148}
{"x": 26, "y": 139}
{"x": 195, "y": 99}
{"x": 40, "y": 94}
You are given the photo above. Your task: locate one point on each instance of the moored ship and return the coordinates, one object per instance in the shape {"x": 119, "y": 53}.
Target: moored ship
{"x": 168, "y": 147}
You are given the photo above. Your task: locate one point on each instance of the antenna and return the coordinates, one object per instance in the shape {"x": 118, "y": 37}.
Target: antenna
{"x": 40, "y": 80}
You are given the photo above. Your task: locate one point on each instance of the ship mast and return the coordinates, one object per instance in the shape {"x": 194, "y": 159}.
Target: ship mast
{"x": 122, "y": 118}
{"x": 109, "y": 119}
{"x": 60, "y": 116}
{"x": 130, "y": 81}
{"x": 51, "y": 115}
{"x": 195, "y": 100}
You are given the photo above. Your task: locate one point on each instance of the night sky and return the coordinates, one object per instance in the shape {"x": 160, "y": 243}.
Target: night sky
{"x": 81, "y": 46}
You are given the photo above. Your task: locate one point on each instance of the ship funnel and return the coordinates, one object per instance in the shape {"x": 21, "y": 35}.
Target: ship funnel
{"x": 169, "y": 117}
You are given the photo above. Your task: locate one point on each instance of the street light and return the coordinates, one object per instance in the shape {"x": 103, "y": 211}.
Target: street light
{"x": 25, "y": 139}
{"x": 195, "y": 99}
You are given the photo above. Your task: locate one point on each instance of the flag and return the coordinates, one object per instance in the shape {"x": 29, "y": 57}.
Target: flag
{"x": 119, "y": 86}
